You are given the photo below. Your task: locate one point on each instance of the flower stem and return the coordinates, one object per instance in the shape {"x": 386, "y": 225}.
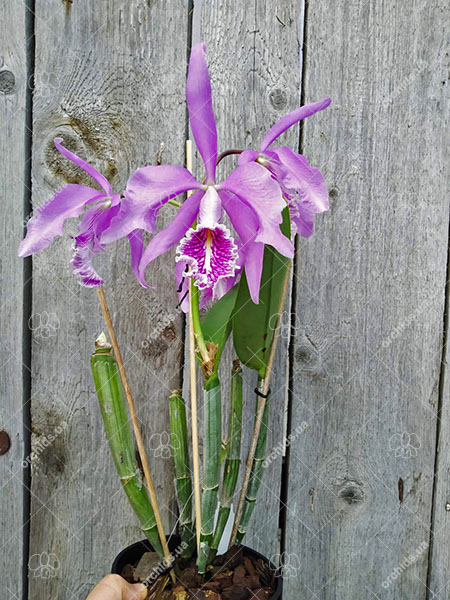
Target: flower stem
{"x": 226, "y": 153}
{"x": 265, "y": 384}
{"x": 136, "y": 428}
{"x": 174, "y": 203}
{"x": 196, "y": 324}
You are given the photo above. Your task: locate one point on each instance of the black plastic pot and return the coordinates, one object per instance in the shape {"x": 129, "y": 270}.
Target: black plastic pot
{"x": 132, "y": 554}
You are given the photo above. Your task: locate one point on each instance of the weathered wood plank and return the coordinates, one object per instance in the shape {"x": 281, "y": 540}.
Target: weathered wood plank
{"x": 13, "y": 85}
{"x": 439, "y": 569}
{"x": 110, "y": 83}
{"x": 254, "y": 57}
{"x": 370, "y": 301}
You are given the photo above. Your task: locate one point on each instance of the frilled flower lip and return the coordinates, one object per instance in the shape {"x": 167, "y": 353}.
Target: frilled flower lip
{"x": 210, "y": 253}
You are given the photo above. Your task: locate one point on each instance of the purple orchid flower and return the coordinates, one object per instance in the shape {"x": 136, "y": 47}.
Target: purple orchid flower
{"x": 303, "y": 186}
{"x": 103, "y": 206}
{"x": 250, "y": 196}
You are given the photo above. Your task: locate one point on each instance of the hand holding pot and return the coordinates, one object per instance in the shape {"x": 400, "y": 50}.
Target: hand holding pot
{"x": 114, "y": 587}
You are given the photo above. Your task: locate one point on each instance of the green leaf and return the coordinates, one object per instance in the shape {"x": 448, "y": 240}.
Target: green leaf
{"x": 253, "y": 324}
{"x": 216, "y": 325}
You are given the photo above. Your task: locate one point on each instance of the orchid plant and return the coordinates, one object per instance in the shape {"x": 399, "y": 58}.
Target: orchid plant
{"x": 234, "y": 243}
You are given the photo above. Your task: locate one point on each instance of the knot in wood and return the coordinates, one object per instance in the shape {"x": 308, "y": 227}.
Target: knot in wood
{"x": 351, "y": 492}
{"x": 7, "y": 82}
{"x": 278, "y": 99}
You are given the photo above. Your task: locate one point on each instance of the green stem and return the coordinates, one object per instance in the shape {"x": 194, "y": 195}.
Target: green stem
{"x": 212, "y": 450}
{"x": 183, "y": 483}
{"x": 199, "y": 339}
{"x": 174, "y": 203}
{"x": 233, "y": 460}
{"x": 115, "y": 418}
{"x": 255, "y": 474}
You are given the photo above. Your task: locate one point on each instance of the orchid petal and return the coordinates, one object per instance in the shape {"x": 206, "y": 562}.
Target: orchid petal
{"x": 97, "y": 218}
{"x": 136, "y": 240}
{"x": 48, "y": 222}
{"x": 210, "y": 211}
{"x": 252, "y": 253}
{"x": 305, "y": 221}
{"x": 87, "y": 168}
{"x": 309, "y": 182}
{"x": 172, "y": 234}
{"x": 255, "y": 186}
{"x": 247, "y": 156}
{"x": 88, "y": 242}
{"x": 147, "y": 190}
{"x": 288, "y": 120}
{"x": 201, "y": 113}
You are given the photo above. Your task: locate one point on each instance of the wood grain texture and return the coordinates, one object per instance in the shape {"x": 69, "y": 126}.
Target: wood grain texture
{"x": 370, "y": 284}
{"x": 13, "y": 84}
{"x": 254, "y": 58}
{"x": 439, "y": 568}
{"x": 369, "y": 311}
{"x": 110, "y": 80}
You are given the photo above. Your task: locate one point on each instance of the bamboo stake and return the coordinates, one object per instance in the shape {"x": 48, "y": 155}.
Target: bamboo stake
{"x": 136, "y": 428}
{"x": 193, "y": 385}
{"x": 260, "y": 411}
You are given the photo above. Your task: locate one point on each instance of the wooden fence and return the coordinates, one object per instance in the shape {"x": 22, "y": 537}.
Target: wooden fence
{"x": 360, "y": 504}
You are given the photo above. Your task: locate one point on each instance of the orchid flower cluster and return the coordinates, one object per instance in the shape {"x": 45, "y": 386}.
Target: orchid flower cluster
{"x": 253, "y": 196}
{"x": 234, "y": 242}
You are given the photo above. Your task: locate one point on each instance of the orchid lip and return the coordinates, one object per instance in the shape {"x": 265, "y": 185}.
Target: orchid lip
{"x": 211, "y": 254}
